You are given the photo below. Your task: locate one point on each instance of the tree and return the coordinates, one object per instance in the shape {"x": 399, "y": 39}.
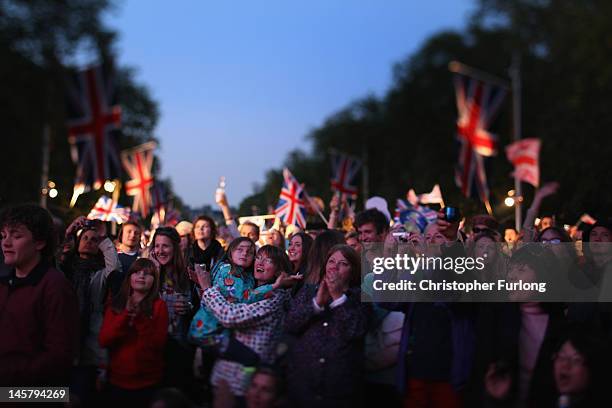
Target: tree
{"x": 409, "y": 133}
{"x": 39, "y": 45}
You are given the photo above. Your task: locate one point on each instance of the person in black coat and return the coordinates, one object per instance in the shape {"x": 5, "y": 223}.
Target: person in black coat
{"x": 325, "y": 366}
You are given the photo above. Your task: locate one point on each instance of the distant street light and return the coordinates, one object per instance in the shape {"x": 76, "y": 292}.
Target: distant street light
{"x": 53, "y": 193}
{"x": 509, "y": 201}
{"x": 109, "y": 186}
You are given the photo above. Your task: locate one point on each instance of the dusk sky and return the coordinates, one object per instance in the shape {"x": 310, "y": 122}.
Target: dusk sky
{"x": 240, "y": 84}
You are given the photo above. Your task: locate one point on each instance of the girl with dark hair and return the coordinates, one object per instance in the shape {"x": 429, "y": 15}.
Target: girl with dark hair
{"x": 299, "y": 247}
{"x": 135, "y": 330}
{"x": 175, "y": 290}
{"x": 330, "y": 322}
{"x": 205, "y": 250}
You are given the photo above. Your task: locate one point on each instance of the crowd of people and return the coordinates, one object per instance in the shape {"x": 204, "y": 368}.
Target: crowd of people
{"x": 222, "y": 315}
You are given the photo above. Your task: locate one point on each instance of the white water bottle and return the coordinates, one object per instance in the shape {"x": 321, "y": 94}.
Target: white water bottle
{"x": 220, "y": 192}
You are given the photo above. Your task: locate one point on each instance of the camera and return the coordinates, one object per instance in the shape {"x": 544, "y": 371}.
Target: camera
{"x": 452, "y": 214}
{"x": 401, "y": 236}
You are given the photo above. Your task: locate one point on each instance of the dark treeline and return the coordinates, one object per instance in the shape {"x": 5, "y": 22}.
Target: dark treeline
{"x": 40, "y": 44}
{"x": 566, "y": 54}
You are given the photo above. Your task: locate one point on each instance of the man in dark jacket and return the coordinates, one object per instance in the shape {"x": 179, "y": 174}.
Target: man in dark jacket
{"x": 38, "y": 308}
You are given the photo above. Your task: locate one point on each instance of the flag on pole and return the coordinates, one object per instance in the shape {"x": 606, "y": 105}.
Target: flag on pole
{"x": 138, "y": 163}
{"x": 524, "y": 155}
{"x": 587, "y": 219}
{"x": 108, "y": 210}
{"x": 94, "y": 122}
{"x": 291, "y": 207}
{"x": 344, "y": 172}
{"x": 477, "y": 104}
{"x": 163, "y": 211}
{"x": 159, "y": 202}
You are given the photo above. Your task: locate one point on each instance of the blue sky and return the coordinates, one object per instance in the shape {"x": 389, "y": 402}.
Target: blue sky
{"x": 241, "y": 83}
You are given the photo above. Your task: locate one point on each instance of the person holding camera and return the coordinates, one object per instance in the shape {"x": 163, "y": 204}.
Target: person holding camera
{"x": 87, "y": 265}
{"x": 437, "y": 344}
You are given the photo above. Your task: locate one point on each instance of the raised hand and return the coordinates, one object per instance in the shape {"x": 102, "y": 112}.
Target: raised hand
{"x": 336, "y": 286}
{"x": 153, "y": 258}
{"x": 323, "y": 297}
{"x": 76, "y": 225}
{"x": 285, "y": 280}
{"x": 547, "y": 189}
{"x": 132, "y": 307}
{"x": 203, "y": 277}
{"x": 448, "y": 229}
{"x": 334, "y": 203}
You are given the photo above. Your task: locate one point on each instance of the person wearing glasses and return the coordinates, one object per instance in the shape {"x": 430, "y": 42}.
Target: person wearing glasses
{"x": 515, "y": 340}
{"x": 580, "y": 367}
{"x": 253, "y": 328}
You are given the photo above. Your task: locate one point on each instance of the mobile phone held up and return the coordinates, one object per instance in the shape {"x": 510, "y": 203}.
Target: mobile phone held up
{"x": 451, "y": 214}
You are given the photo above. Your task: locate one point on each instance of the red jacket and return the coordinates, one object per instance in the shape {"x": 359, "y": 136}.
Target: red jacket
{"x": 137, "y": 351}
{"x": 39, "y": 326}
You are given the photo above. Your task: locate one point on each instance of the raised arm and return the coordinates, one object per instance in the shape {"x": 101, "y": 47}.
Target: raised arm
{"x": 543, "y": 192}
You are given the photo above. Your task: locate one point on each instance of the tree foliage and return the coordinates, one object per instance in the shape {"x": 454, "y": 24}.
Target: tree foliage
{"x": 565, "y": 49}
{"x": 41, "y": 42}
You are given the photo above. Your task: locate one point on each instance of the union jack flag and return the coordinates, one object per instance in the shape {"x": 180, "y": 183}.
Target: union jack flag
{"x": 94, "y": 122}
{"x": 168, "y": 218}
{"x": 108, "y": 210}
{"x": 291, "y": 207}
{"x": 344, "y": 171}
{"x": 163, "y": 211}
{"x": 477, "y": 104}
{"x": 159, "y": 199}
{"x": 405, "y": 210}
{"x": 138, "y": 163}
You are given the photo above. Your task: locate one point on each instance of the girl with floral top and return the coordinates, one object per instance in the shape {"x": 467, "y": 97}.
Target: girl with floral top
{"x": 233, "y": 277}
